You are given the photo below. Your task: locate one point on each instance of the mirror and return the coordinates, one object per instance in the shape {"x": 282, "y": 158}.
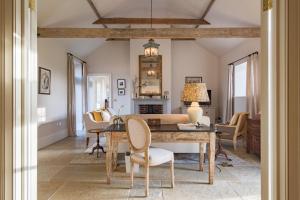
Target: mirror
{"x": 150, "y": 75}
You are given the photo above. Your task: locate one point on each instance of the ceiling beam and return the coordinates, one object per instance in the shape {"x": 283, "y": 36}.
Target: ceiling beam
{"x": 133, "y": 33}
{"x": 148, "y": 21}
{"x": 92, "y": 5}
{"x": 206, "y": 11}
{"x": 127, "y": 39}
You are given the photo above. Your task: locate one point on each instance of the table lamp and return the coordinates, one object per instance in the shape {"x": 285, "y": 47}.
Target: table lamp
{"x": 195, "y": 92}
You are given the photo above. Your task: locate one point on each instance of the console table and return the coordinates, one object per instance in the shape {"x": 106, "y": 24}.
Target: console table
{"x": 165, "y": 133}
{"x": 253, "y": 136}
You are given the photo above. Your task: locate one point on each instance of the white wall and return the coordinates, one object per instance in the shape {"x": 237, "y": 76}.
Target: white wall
{"x": 112, "y": 57}
{"x": 180, "y": 59}
{"x": 190, "y": 59}
{"x": 52, "y": 55}
{"x": 136, "y": 49}
{"x": 244, "y": 49}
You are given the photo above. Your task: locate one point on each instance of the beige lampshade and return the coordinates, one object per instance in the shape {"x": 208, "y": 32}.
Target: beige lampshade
{"x": 195, "y": 92}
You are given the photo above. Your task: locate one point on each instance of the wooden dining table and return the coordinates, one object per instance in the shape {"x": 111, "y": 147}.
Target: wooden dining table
{"x": 164, "y": 133}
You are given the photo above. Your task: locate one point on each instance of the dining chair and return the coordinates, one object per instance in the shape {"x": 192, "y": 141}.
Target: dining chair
{"x": 139, "y": 136}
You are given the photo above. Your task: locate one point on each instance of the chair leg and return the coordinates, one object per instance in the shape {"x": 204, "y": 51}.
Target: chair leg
{"x": 146, "y": 180}
{"x": 234, "y": 143}
{"x": 87, "y": 142}
{"x": 131, "y": 173}
{"x": 172, "y": 174}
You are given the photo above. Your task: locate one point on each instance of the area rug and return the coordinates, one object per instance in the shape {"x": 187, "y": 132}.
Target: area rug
{"x": 180, "y": 158}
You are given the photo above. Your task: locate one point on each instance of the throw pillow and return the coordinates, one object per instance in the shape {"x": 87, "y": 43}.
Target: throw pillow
{"x": 97, "y": 116}
{"x": 105, "y": 115}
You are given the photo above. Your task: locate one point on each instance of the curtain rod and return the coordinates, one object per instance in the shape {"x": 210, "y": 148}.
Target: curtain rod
{"x": 77, "y": 57}
{"x": 256, "y": 52}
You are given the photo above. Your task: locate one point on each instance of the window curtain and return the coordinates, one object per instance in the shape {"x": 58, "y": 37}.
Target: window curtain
{"x": 84, "y": 86}
{"x": 252, "y": 85}
{"x": 71, "y": 96}
{"x": 230, "y": 93}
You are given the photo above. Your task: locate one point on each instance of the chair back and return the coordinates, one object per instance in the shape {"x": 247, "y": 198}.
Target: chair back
{"x": 242, "y": 122}
{"x": 138, "y": 133}
{"x": 88, "y": 120}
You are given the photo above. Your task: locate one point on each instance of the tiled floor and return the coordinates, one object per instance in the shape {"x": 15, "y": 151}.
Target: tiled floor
{"x": 58, "y": 179}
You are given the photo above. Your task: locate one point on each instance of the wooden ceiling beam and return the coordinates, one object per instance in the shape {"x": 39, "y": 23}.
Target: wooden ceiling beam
{"x": 127, "y": 39}
{"x": 92, "y": 5}
{"x": 206, "y": 11}
{"x": 168, "y": 21}
{"x": 167, "y": 33}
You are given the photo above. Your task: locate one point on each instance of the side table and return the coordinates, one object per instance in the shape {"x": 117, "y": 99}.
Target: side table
{"x": 98, "y": 146}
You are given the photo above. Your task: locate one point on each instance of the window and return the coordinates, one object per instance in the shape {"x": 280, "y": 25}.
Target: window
{"x": 240, "y": 76}
{"x": 78, "y": 93}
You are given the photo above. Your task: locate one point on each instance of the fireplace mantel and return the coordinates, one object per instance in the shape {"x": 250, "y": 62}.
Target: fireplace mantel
{"x": 150, "y": 101}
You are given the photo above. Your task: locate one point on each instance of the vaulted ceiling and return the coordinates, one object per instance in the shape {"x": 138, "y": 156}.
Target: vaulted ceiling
{"x": 78, "y": 13}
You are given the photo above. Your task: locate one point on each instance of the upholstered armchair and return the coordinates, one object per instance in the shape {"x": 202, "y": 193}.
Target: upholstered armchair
{"x": 91, "y": 123}
{"x": 235, "y": 129}
{"x": 139, "y": 137}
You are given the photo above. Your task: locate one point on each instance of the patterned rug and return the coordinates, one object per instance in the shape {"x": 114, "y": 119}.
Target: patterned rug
{"x": 180, "y": 158}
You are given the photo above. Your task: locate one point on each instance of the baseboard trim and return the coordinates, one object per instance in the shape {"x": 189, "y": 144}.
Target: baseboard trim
{"x": 52, "y": 138}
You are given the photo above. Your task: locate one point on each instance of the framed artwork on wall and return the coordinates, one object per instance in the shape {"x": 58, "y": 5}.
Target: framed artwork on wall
{"x": 44, "y": 81}
{"x": 121, "y": 83}
{"x": 193, "y": 79}
{"x": 121, "y": 92}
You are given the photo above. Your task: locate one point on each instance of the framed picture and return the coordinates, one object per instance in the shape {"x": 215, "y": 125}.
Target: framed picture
{"x": 44, "y": 81}
{"x": 121, "y": 83}
{"x": 193, "y": 79}
{"x": 121, "y": 92}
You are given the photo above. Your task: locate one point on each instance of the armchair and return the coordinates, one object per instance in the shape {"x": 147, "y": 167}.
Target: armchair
{"x": 91, "y": 123}
{"x": 235, "y": 129}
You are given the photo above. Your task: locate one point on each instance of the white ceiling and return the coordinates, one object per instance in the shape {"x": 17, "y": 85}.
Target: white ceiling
{"x": 220, "y": 46}
{"x": 77, "y": 13}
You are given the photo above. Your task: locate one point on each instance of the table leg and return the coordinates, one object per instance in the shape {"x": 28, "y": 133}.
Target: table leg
{"x": 115, "y": 154}
{"x": 108, "y": 156}
{"x": 97, "y": 147}
{"x": 202, "y": 147}
{"x": 212, "y": 143}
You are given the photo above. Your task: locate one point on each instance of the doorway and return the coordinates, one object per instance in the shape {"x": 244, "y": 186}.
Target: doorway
{"x": 98, "y": 91}
{"x": 33, "y": 160}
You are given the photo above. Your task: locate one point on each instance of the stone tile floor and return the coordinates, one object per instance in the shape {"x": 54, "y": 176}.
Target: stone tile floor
{"x": 58, "y": 179}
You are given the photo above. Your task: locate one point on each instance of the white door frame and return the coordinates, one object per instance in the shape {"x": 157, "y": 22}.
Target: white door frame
{"x": 18, "y": 98}
{"x": 275, "y": 104}
{"x": 18, "y": 95}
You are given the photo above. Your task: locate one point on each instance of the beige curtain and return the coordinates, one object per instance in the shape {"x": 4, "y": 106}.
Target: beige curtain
{"x": 71, "y": 97}
{"x": 84, "y": 86}
{"x": 253, "y": 85}
{"x": 230, "y": 94}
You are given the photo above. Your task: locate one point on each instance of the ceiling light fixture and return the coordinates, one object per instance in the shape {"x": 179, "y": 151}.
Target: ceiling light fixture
{"x": 151, "y": 48}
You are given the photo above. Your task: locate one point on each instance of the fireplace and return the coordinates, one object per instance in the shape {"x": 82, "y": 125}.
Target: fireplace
{"x": 151, "y": 109}
{"x": 150, "y": 106}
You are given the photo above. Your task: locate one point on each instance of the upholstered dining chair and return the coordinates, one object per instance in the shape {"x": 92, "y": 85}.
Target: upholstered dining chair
{"x": 139, "y": 136}
{"x": 236, "y": 128}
